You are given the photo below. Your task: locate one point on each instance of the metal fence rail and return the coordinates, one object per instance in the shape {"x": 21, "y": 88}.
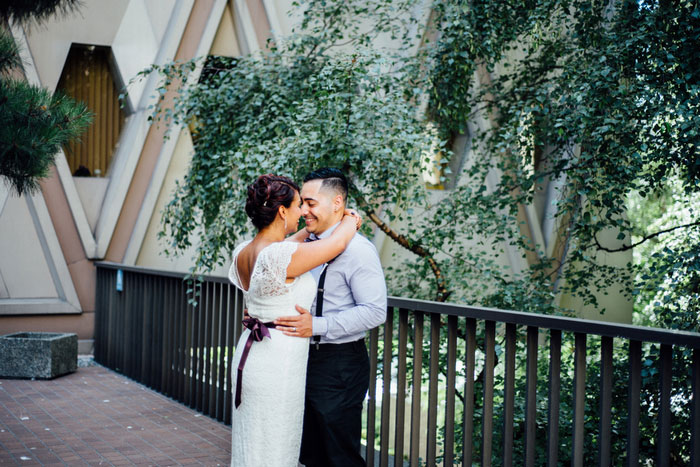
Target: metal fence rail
{"x": 147, "y": 329}
{"x": 441, "y": 371}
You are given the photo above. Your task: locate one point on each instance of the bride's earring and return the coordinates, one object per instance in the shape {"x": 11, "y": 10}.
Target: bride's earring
{"x": 285, "y": 224}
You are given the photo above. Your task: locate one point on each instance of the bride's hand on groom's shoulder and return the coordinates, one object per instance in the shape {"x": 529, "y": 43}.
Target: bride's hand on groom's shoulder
{"x": 296, "y": 326}
{"x": 356, "y": 215}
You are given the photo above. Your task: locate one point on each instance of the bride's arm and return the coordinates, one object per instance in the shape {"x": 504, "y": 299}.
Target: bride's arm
{"x": 298, "y": 237}
{"x": 311, "y": 254}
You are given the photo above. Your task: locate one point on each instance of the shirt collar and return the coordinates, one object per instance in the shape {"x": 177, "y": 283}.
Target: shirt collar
{"x": 327, "y": 233}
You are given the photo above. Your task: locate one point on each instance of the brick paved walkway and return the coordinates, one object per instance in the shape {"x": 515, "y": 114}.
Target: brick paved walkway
{"x": 97, "y": 417}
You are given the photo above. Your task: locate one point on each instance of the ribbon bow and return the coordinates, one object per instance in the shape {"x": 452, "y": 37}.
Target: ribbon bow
{"x": 258, "y": 331}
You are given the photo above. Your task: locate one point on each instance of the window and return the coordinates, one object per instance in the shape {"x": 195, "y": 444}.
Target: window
{"x": 87, "y": 76}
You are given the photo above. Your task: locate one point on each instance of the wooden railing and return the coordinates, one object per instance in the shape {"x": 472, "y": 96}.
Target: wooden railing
{"x": 454, "y": 384}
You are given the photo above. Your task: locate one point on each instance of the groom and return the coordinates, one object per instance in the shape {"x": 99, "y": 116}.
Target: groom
{"x": 354, "y": 301}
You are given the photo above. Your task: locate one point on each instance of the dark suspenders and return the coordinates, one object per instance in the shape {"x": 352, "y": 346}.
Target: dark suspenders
{"x": 319, "y": 299}
{"x": 319, "y": 296}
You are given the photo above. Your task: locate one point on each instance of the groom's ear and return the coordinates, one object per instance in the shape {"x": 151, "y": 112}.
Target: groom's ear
{"x": 338, "y": 202}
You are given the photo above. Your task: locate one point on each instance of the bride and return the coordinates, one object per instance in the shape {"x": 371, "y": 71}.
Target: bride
{"x": 273, "y": 273}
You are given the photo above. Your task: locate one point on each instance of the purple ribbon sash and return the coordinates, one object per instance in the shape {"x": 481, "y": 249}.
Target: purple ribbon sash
{"x": 258, "y": 331}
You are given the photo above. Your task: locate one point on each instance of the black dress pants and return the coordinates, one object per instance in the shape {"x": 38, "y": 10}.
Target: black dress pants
{"x": 337, "y": 380}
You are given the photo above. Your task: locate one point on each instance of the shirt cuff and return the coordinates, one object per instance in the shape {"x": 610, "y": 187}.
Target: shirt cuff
{"x": 319, "y": 326}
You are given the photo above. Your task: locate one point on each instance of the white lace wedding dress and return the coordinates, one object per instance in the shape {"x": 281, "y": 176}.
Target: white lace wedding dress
{"x": 266, "y": 427}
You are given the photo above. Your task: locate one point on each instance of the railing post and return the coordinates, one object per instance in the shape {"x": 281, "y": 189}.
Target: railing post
{"x": 468, "y": 412}
{"x": 201, "y": 346}
{"x": 579, "y": 399}
{"x": 554, "y": 393}
{"x": 225, "y": 356}
{"x": 531, "y": 396}
{"x": 207, "y": 310}
{"x": 431, "y": 442}
{"x": 606, "y": 371}
{"x": 165, "y": 370}
{"x": 154, "y": 345}
{"x": 215, "y": 350}
{"x": 234, "y": 299}
{"x": 386, "y": 384}
{"x": 190, "y": 367}
{"x": 633, "y": 396}
{"x": 372, "y": 394}
{"x": 416, "y": 386}
{"x": 695, "y": 411}
{"x": 487, "y": 414}
{"x": 150, "y": 313}
{"x": 99, "y": 314}
{"x": 401, "y": 389}
{"x": 448, "y": 458}
{"x": 183, "y": 335}
{"x": 509, "y": 395}
{"x": 664, "y": 432}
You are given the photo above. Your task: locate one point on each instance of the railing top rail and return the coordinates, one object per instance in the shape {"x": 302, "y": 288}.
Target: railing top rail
{"x": 156, "y": 272}
{"x": 562, "y": 323}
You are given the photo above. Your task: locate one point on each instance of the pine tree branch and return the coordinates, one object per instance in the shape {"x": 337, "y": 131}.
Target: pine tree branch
{"x": 9, "y": 53}
{"x": 38, "y": 11}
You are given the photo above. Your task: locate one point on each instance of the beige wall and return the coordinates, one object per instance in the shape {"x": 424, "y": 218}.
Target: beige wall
{"x": 45, "y": 271}
{"x": 24, "y": 271}
{"x": 226, "y": 39}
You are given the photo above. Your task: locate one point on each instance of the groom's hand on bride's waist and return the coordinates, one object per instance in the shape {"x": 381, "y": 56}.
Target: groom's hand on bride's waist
{"x": 300, "y": 325}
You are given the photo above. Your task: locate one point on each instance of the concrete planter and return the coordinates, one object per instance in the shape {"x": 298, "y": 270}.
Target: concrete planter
{"x": 42, "y": 355}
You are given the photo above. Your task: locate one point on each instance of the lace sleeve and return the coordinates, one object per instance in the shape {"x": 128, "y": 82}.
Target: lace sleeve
{"x": 271, "y": 276}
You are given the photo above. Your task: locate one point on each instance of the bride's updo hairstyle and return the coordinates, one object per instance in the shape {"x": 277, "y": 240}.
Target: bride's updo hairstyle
{"x": 266, "y": 195}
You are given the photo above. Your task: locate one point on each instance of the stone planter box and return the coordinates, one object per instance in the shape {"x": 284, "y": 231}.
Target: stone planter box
{"x": 42, "y": 355}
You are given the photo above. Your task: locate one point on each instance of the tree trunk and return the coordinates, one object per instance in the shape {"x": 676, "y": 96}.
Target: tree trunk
{"x": 442, "y": 293}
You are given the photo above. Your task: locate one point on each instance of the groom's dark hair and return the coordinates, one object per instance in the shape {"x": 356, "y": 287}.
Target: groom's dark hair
{"x": 333, "y": 179}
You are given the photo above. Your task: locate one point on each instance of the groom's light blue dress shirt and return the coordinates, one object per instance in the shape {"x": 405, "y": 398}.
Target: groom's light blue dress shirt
{"x": 354, "y": 298}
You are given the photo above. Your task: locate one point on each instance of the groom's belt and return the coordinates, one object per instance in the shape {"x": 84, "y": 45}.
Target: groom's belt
{"x": 329, "y": 347}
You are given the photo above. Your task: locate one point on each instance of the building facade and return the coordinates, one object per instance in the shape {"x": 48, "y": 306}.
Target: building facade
{"x": 103, "y": 199}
